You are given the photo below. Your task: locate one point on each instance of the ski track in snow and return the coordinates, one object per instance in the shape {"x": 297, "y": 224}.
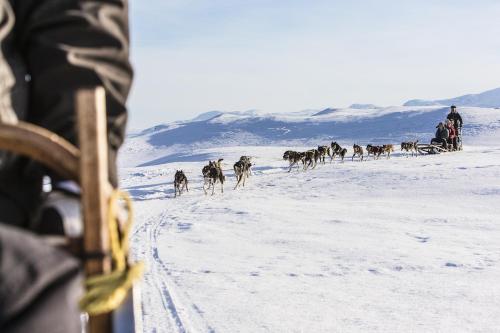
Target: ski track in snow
{"x": 405, "y": 244}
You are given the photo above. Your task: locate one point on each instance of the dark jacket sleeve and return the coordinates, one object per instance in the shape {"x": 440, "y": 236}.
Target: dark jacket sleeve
{"x": 71, "y": 44}
{"x": 28, "y": 267}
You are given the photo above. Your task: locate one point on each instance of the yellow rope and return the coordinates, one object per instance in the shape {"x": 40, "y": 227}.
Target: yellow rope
{"x": 106, "y": 292}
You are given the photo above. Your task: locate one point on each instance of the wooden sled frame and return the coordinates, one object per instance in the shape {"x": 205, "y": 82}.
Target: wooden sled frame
{"x": 430, "y": 149}
{"x": 88, "y": 166}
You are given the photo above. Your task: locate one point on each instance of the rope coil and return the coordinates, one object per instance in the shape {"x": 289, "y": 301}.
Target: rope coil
{"x": 106, "y": 292}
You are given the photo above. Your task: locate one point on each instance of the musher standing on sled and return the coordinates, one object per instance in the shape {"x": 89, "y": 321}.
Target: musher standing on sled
{"x": 48, "y": 51}
{"x": 457, "y": 121}
{"x": 455, "y": 117}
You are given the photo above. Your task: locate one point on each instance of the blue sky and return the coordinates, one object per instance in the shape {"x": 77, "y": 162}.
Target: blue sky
{"x": 193, "y": 56}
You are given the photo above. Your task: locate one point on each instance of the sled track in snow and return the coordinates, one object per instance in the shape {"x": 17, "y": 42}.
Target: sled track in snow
{"x": 167, "y": 301}
{"x": 183, "y": 314}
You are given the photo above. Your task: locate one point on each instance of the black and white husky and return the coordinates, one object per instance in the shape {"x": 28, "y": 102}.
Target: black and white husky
{"x": 323, "y": 151}
{"x": 337, "y": 150}
{"x": 242, "y": 170}
{"x": 293, "y": 157}
{"x": 212, "y": 173}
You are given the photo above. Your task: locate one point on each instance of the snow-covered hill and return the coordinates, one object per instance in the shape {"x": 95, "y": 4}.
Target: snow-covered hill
{"x": 388, "y": 245}
{"x": 487, "y": 99}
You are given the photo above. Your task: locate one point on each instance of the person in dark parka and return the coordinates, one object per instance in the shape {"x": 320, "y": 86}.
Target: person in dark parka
{"x": 455, "y": 118}
{"x": 48, "y": 50}
{"x": 442, "y": 135}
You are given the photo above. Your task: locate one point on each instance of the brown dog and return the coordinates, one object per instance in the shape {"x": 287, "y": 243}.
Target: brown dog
{"x": 374, "y": 150}
{"x": 387, "y": 149}
{"x": 358, "y": 150}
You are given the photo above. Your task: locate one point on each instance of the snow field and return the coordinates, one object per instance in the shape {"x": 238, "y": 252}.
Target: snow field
{"x": 398, "y": 245}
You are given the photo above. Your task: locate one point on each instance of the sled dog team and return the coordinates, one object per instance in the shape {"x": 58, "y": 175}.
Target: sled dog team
{"x": 213, "y": 173}
{"x": 449, "y": 136}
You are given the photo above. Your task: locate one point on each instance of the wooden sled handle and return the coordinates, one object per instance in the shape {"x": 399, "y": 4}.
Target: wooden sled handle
{"x": 42, "y": 146}
{"x": 94, "y": 182}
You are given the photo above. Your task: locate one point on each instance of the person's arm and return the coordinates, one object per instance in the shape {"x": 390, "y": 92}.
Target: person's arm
{"x": 460, "y": 119}
{"x": 29, "y": 268}
{"x": 73, "y": 44}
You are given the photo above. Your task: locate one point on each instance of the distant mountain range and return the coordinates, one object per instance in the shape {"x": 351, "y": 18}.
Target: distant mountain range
{"x": 487, "y": 99}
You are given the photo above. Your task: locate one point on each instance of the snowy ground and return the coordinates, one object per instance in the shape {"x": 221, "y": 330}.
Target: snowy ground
{"x": 398, "y": 245}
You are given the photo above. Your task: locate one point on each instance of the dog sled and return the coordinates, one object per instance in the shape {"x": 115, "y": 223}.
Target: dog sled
{"x": 435, "y": 148}
{"x": 426, "y": 149}
{"x": 103, "y": 243}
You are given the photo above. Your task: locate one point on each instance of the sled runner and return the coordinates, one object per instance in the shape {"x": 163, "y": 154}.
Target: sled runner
{"x": 430, "y": 149}
{"x": 105, "y": 244}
